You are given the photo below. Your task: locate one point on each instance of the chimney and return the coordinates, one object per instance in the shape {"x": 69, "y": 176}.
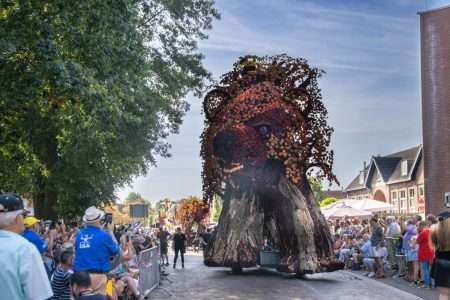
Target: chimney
{"x": 362, "y": 174}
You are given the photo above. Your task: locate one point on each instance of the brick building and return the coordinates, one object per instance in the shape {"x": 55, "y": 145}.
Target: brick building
{"x": 435, "y": 70}
{"x": 397, "y": 178}
{"x": 335, "y": 194}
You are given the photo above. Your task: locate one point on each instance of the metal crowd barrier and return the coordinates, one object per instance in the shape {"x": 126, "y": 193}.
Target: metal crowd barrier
{"x": 149, "y": 276}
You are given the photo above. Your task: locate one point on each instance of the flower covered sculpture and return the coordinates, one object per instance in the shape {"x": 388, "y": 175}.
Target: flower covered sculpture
{"x": 265, "y": 129}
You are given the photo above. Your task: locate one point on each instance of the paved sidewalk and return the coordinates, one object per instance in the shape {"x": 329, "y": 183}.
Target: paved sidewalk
{"x": 199, "y": 282}
{"x": 403, "y": 285}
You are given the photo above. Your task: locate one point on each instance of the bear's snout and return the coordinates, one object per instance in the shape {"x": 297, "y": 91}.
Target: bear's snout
{"x": 239, "y": 145}
{"x": 225, "y": 143}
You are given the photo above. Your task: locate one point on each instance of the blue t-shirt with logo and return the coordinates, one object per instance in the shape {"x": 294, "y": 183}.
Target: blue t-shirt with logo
{"x": 36, "y": 240}
{"x": 93, "y": 250}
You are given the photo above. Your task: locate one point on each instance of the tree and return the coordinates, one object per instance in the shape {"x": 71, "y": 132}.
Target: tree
{"x": 133, "y": 197}
{"x": 316, "y": 188}
{"x": 89, "y": 90}
{"x": 327, "y": 201}
{"x": 136, "y": 198}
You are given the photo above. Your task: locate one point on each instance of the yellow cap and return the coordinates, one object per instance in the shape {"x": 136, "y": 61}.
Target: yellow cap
{"x": 30, "y": 221}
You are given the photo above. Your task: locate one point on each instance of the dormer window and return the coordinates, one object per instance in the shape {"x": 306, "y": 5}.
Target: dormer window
{"x": 404, "y": 168}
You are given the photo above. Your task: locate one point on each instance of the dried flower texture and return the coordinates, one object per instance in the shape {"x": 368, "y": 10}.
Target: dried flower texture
{"x": 266, "y": 109}
{"x": 192, "y": 211}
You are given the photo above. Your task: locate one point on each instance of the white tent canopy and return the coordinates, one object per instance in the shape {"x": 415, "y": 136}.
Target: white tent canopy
{"x": 363, "y": 204}
{"x": 342, "y": 210}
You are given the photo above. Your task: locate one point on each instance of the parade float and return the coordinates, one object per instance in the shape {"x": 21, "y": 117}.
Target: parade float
{"x": 265, "y": 131}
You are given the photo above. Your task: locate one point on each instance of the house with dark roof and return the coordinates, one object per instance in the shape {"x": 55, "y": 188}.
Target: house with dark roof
{"x": 396, "y": 178}
{"x": 338, "y": 194}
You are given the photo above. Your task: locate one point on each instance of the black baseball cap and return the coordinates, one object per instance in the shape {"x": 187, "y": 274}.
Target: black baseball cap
{"x": 11, "y": 202}
{"x": 444, "y": 215}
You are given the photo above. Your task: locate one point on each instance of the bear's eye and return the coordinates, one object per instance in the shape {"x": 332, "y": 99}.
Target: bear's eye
{"x": 264, "y": 131}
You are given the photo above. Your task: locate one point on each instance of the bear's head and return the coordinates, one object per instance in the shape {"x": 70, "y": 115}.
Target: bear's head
{"x": 265, "y": 120}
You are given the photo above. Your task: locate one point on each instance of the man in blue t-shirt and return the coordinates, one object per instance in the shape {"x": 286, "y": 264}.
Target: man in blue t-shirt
{"x": 30, "y": 233}
{"x": 94, "y": 249}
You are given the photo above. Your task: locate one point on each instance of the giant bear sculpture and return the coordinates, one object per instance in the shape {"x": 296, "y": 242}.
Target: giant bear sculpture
{"x": 265, "y": 130}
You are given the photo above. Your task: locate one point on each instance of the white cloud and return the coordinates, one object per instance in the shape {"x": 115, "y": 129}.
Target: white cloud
{"x": 328, "y": 37}
{"x": 371, "y": 89}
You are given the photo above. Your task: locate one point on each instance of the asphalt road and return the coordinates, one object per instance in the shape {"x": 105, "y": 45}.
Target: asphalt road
{"x": 199, "y": 282}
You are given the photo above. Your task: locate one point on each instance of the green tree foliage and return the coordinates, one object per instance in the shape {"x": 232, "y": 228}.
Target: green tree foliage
{"x": 316, "y": 187}
{"x": 133, "y": 197}
{"x": 89, "y": 90}
{"x": 327, "y": 201}
{"x": 136, "y": 198}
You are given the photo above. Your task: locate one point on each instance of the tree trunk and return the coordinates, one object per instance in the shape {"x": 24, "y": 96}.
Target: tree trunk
{"x": 239, "y": 236}
{"x": 45, "y": 206}
{"x": 303, "y": 231}
{"x": 45, "y": 201}
{"x": 289, "y": 218}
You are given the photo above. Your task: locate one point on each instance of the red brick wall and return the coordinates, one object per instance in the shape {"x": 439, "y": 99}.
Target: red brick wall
{"x": 435, "y": 61}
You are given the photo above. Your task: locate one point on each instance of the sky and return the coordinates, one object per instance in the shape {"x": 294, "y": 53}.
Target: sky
{"x": 369, "y": 50}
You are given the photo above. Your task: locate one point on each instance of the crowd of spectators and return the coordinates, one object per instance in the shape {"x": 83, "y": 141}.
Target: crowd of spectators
{"x": 94, "y": 259}
{"x": 90, "y": 259}
{"x": 391, "y": 246}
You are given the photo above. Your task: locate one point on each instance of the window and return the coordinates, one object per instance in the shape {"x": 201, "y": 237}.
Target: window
{"x": 421, "y": 192}
{"x": 412, "y": 205}
{"x": 404, "y": 167}
{"x": 412, "y": 193}
{"x": 394, "y": 202}
{"x": 403, "y": 207}
{"x": 403, "y": 203}
{"x": 395, "y": 206}
{"x": 394, "y": 195}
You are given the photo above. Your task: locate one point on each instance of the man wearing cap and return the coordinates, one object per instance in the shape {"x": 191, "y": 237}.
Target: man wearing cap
{"x": 94, "y": 249}
{"x": 30, "y": 233}
{"x": 32, "y": 228}
{"x": 22, "y": 273}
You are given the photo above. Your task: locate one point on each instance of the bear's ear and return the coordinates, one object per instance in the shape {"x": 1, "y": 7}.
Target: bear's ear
{"x": 213, "y": 100}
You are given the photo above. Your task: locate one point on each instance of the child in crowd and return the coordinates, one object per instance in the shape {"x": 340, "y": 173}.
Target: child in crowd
{"x": 413, "y": 261}
{"x": 61, "y": 277}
